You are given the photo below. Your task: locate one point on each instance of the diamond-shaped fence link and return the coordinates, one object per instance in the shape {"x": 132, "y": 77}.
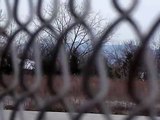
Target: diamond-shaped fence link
{"x": 18, "y": 94}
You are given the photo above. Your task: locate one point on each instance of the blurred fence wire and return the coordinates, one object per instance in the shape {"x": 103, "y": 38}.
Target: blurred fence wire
{"x": 94, "y": 100}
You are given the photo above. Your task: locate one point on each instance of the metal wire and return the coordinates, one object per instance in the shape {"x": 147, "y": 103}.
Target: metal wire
{"x": 93, "y": 100}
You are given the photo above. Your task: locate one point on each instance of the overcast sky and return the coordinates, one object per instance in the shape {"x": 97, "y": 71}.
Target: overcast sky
{"x": 145, "y": 14}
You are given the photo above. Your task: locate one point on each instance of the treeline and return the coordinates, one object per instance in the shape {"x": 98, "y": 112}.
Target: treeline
{"x": 117, "y": 63}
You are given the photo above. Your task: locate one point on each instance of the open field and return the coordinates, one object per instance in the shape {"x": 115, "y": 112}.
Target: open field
{"x": 117, "y": 98}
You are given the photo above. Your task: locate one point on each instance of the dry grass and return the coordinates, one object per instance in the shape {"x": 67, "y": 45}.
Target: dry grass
{"x": 117, "y": 97}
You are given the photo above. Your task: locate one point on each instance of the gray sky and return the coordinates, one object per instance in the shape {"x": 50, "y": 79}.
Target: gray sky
{"x": 145, "y": 14}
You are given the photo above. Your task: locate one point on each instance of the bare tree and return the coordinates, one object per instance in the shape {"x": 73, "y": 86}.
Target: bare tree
{"x": 19, "y": 41}
{"x": 77, "y": 42}
{"x": 121, "y": 58}
{"x": 78, "y": 38}
{"x": 2, "y": 38}
{"x": 128, "y": 57}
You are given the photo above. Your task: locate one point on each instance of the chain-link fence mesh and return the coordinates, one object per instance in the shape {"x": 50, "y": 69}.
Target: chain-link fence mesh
{"x": 21, "y": 90}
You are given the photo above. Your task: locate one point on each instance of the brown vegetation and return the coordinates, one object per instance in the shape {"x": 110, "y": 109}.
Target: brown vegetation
{"x": 117, "y": 97}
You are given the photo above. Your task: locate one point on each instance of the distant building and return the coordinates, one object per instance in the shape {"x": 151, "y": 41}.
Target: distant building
{"x": 29, "y": 64}
{"x": 7, "y": 66}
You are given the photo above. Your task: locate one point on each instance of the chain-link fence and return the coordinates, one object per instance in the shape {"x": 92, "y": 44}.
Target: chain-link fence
{"x": 20, "y": 93}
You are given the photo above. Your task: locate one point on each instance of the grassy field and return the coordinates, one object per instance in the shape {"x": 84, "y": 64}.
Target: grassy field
{"x": 117, "y": 98}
